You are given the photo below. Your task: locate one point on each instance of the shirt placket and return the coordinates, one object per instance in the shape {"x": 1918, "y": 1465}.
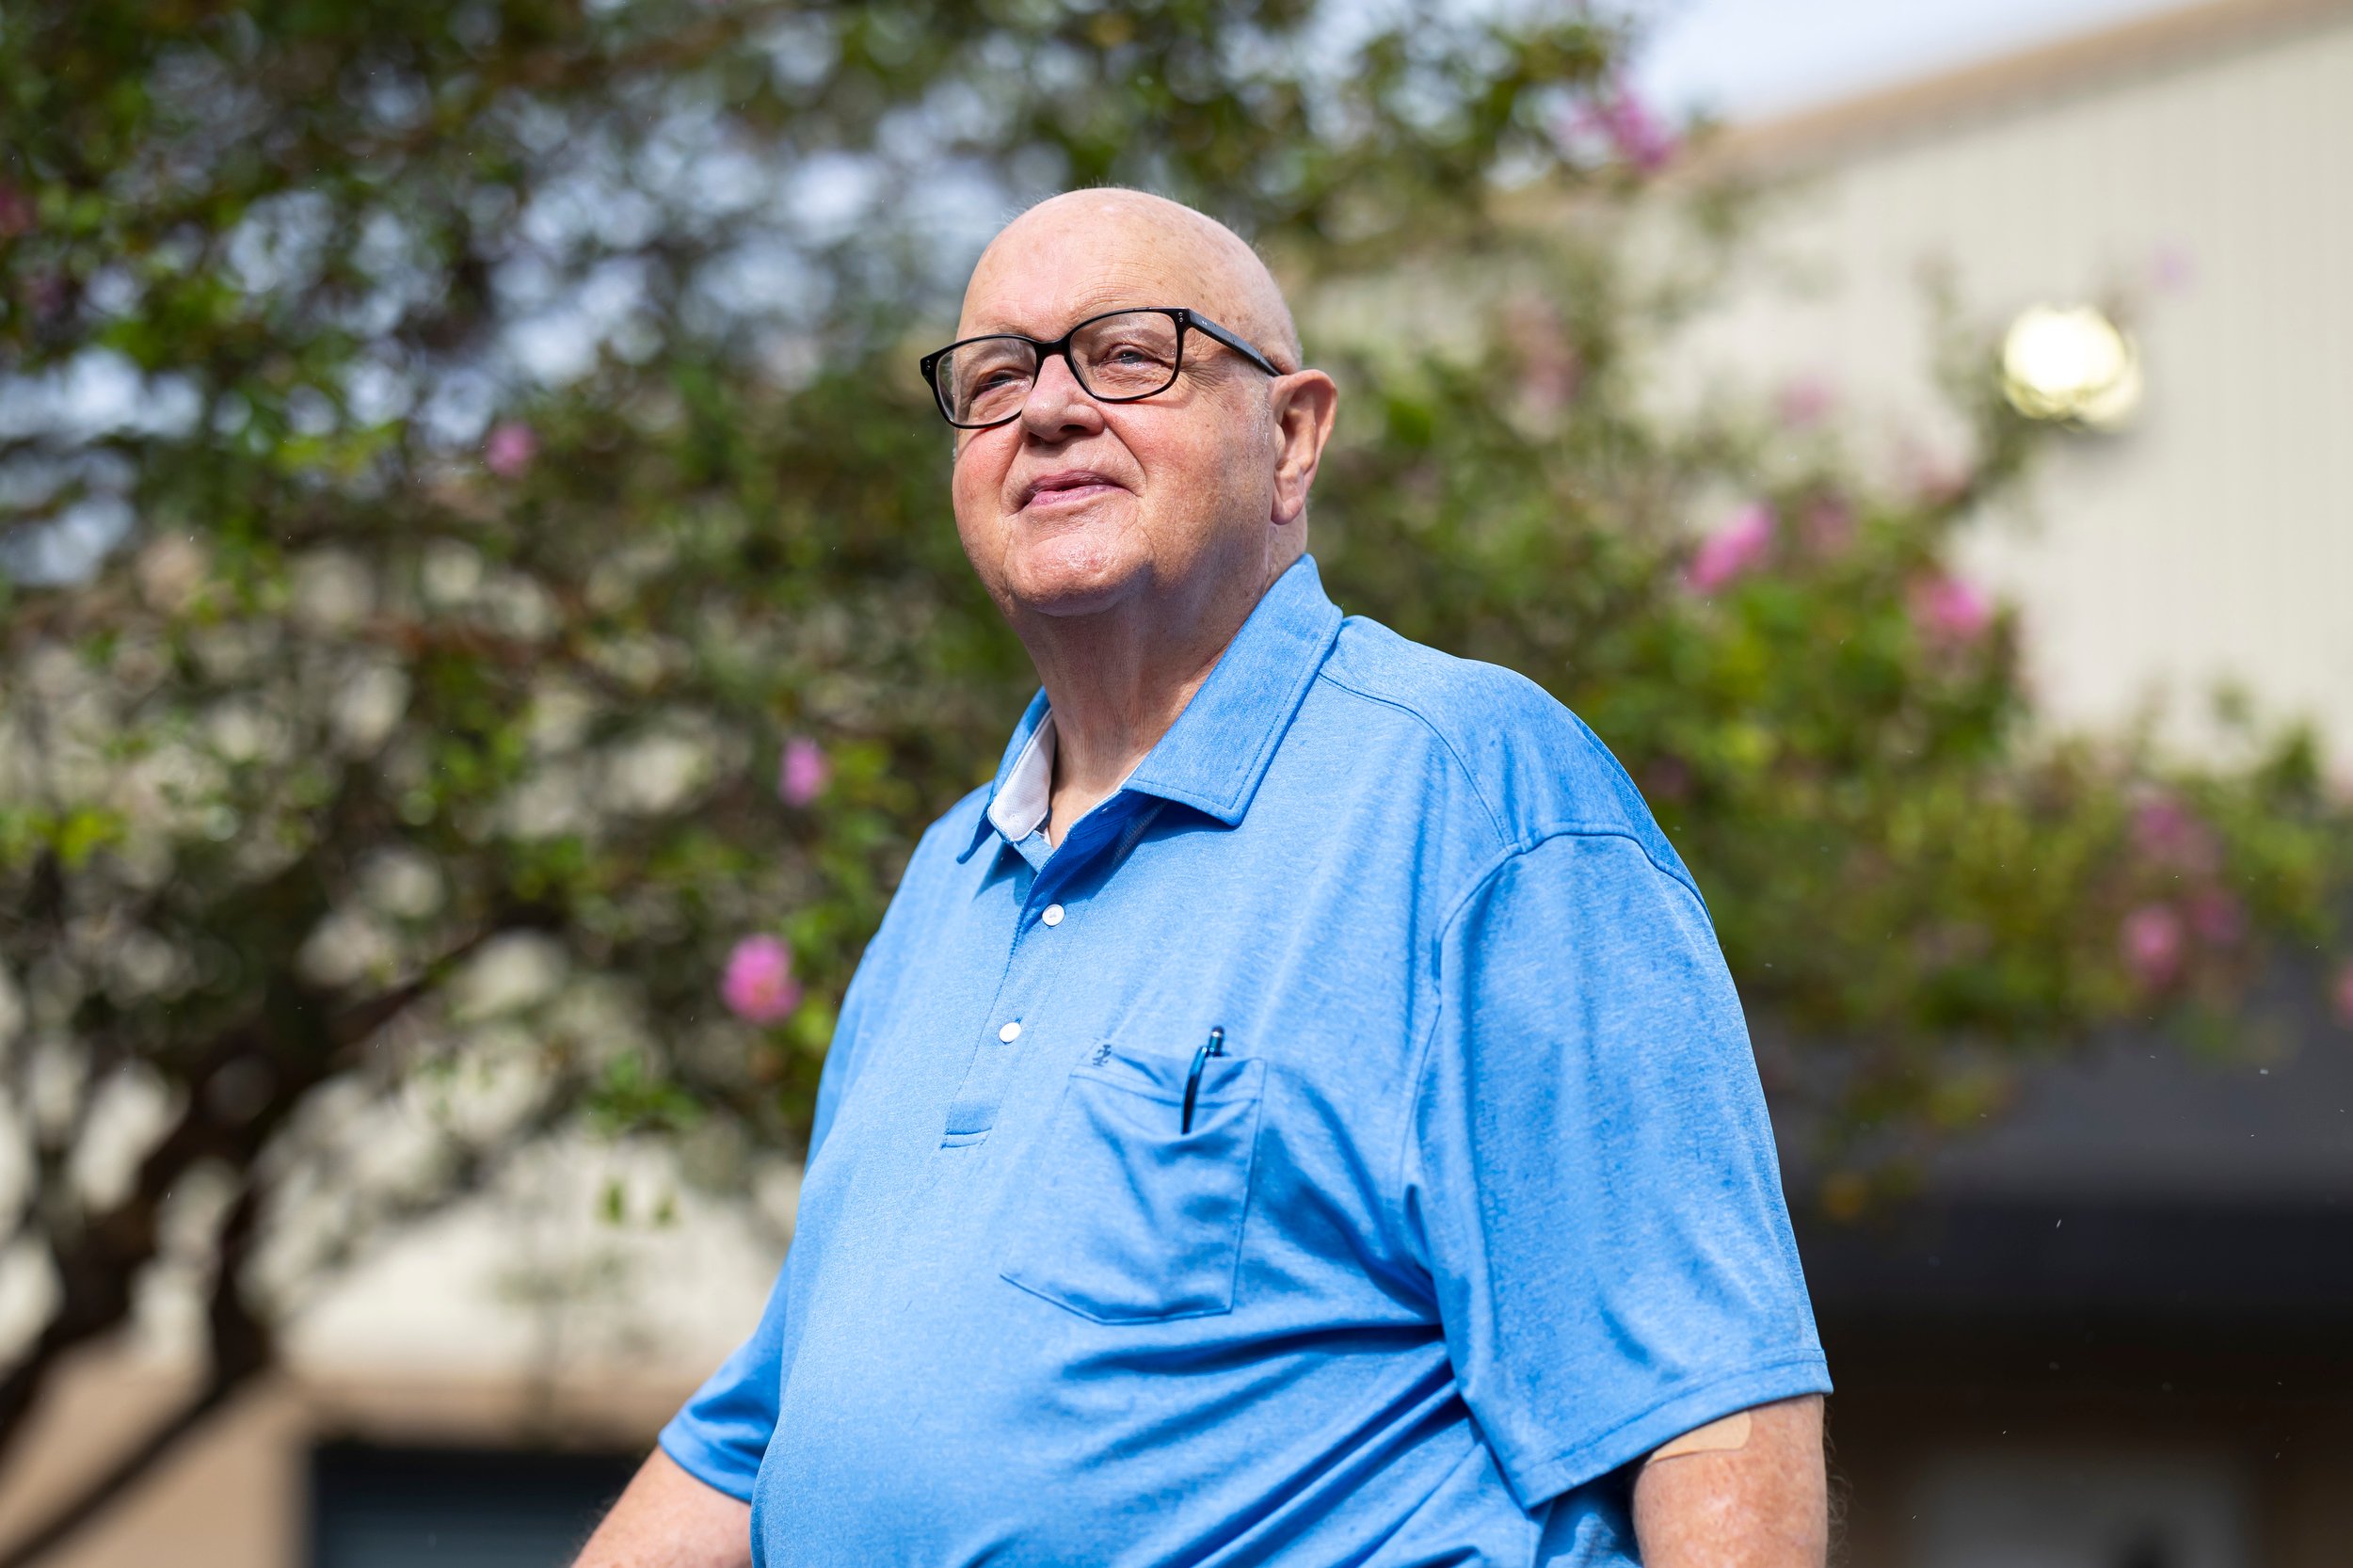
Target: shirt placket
{"x": 1021, "y": 1022}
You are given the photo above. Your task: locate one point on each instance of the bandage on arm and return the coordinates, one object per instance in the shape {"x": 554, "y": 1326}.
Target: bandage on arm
{"x": 1749, "y": 1489}
{"x": 1725, "y": 1436}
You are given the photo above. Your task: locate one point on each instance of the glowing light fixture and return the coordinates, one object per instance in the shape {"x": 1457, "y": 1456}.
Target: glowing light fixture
{"x": 2069, "y": 363}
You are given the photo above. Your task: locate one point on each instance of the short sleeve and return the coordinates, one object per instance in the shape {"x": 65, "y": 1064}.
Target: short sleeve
{"x": 1592, "y": 1175}
{"x": 721, "y": 1434}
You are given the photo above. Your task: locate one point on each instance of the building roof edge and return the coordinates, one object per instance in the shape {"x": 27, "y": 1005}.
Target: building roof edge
{"x": 2085, "y": 62}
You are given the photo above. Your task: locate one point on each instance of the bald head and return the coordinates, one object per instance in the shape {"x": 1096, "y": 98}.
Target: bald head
{"x": 1090, "y": 250}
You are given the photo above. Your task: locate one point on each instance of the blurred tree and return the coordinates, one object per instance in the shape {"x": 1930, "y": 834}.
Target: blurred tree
{"x": 483, "y": 626}
{"x": 459, "y": 470}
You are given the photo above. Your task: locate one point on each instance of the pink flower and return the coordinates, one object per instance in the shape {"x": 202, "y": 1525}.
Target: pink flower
{"x": 1732, "y": 550}
{"x": 2341, "y": 995}
{"x": 510, "y": 448}
{"x": 2171, "y": 836}
{"x": 1634, "y": 132}
{"x": 1549, "y": 381}
{"x": 1938, "y": 479}
{"x": 2219, "y": 918}
{"x": 1828, "y": 526}
{"x": 1947, "y": 610}
{"x": 2150, "y": 941}
{"x": 801, "y": 776}
{"x": 1804, "y": 401}
{"x": 758, "y": 986}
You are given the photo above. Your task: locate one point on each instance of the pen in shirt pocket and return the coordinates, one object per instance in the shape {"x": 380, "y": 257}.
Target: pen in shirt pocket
{"x": 1213, "y": 1046}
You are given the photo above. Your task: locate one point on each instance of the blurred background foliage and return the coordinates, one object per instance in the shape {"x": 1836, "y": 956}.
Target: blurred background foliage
{"x": 481, "y": 625}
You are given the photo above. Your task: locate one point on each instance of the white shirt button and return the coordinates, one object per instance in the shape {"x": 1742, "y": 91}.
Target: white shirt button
{"x": 1052, "y": 914}
{"x": 1011, "y": 1032}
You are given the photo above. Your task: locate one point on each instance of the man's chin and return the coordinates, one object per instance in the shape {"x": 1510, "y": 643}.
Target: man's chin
{"x": 1074, "y": 573}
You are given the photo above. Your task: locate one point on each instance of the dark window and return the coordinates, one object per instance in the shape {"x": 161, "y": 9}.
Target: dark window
{"x": 455, "y": 1507}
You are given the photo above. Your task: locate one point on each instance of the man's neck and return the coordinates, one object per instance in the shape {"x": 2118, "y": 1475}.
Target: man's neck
{"x": 1118, "y": 680}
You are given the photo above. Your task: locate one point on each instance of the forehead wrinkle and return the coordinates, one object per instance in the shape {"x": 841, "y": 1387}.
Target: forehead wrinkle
{"x": 1050, "y": 319}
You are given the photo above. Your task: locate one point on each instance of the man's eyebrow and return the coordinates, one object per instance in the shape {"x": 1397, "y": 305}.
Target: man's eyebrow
{"x": 989, "y": 328}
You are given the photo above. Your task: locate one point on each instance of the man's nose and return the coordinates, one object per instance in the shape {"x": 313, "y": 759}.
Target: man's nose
{"x": 1057, "y": 405}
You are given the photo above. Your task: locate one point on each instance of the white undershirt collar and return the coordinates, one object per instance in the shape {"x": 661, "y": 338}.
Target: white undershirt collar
{"x": 1026, "y": 798}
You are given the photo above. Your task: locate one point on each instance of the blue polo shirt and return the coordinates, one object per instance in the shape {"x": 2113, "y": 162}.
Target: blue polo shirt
{"x": 1478, "y": 1202}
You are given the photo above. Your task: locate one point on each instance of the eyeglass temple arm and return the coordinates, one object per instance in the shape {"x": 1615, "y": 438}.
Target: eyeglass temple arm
{"x": 1196, "y": 319}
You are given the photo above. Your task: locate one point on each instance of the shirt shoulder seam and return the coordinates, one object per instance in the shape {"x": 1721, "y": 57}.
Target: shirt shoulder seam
{"x": 1494, "y": 865}
{"x": 1495, "y": 819}
{"x": 1535, "y": 840}
{"x": 1534, "y": 837}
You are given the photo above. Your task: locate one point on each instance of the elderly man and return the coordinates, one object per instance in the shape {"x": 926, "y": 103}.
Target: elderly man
{"x": 1297, "y": 1112}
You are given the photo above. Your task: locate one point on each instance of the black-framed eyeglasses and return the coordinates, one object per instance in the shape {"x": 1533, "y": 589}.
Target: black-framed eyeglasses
{"x": 1119, "y": 357}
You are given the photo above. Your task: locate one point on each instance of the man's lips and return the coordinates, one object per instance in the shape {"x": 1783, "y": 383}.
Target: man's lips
{"x": 1066, "y": 487}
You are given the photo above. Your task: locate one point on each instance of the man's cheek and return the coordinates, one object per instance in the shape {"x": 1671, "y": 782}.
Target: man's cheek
{"x": 977, "y": 502}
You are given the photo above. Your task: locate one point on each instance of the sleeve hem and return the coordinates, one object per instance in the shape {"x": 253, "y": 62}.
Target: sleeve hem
{"x": 705, "y": 1463}
{"x": 1534, "y": 1484}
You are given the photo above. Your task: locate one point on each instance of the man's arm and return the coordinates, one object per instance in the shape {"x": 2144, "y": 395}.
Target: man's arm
{"x": 668, "y": 1519}
{"x": 1746, "y": 1492}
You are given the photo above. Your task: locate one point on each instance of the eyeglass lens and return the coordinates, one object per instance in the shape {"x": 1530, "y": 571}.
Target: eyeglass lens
{"x": 1128, "y": 355}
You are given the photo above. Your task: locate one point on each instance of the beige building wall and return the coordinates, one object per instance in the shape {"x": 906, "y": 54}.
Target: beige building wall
{"x": 519, "y": 1318}
{"x": 2195, "y": 173}
{"x": 236, "y": 1493}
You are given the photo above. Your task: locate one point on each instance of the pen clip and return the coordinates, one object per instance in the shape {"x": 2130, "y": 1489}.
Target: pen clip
{"x": 1213, "y": 1046}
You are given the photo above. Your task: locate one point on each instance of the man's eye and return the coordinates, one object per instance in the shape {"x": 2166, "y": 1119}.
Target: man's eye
{"x": 1132, "y": 354}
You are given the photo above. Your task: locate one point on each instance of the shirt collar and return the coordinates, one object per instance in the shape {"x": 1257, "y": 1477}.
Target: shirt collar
{"x": 1019, "y": 805}
{"x": 1025, "y": 792}
{"x": 1214, "y": 756}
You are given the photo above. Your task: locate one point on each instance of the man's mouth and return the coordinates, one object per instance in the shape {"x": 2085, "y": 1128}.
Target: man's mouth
{"x": 1067, "y": 487}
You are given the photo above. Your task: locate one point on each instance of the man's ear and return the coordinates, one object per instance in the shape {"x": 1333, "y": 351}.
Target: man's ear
{"x": 1304, "y": 405}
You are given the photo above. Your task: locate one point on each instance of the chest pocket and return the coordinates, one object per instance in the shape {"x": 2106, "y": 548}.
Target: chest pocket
{"x": 1120, "y": 1216}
